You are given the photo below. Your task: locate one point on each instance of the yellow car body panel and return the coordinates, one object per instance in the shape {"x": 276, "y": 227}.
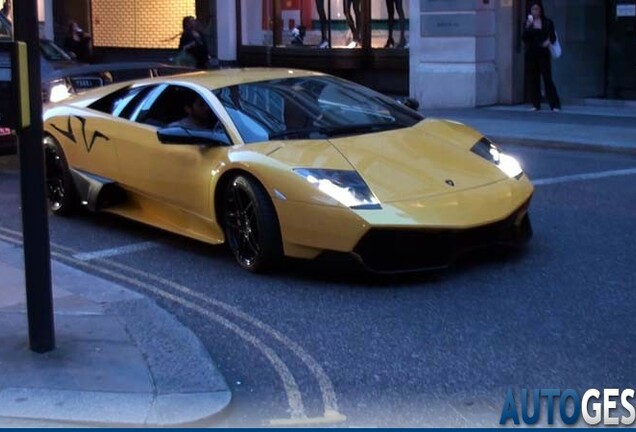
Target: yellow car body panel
{"x": 416, "y": 165}
{"x": 174, "y": 187}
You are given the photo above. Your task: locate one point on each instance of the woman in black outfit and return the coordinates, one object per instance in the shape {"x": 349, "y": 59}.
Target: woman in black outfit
{"x": 77, "y": 42}
{"x": 538, "y": 35}
{"x": 193, "y": 43}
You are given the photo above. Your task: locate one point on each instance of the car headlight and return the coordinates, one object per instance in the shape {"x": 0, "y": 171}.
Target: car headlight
{"x": 346, "y": 187}
{"x": 58, "y": 91}
{"x": 487, "y": 150}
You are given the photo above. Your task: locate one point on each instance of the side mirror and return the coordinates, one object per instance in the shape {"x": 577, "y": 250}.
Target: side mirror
{"x": 183, "y": 136}
{"x": 411, "y": 103}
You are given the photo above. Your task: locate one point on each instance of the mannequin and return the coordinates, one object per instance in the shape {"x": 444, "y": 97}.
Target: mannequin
{"x": 391, "y": 7}
{"x": 324, "y": 42}
{"x": 354, "y": 25}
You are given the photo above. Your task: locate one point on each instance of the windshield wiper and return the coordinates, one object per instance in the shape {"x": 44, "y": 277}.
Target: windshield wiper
{"x": 360, "y": 128}
{"x": 331, "y": 131}
{"x": 296, "y": 132}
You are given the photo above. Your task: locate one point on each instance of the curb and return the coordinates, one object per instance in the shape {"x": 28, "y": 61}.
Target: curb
{"x": 121, "y": 359}
{"x": 110, "y": 408}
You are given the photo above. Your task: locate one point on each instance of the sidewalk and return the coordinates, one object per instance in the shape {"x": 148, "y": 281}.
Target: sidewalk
{"x": 589, "y": 125}
{"x": 120, "y": 359}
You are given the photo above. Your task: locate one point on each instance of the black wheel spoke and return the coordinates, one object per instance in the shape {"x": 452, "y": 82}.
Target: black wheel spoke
{"x": 61, "y": 192}
{"x": 238, "y": 199}
{"x": 250, "y": 229}
{"x": 243, "y": 243}
{"x": 55, "y": 177}
{"x": 253, "y": 244}
{"x": 249, "y": 208}
{"x": 233, "y": 224}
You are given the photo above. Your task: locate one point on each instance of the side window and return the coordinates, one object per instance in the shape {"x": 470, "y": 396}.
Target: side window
{"x": 128, "y": 106}
{"x": 122, "y": 101}
{"x": 140, "y": 115}
{"x": 109, "y": 103}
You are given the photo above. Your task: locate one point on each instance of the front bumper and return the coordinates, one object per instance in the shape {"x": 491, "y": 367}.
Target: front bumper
{"x": 394, "y": 250}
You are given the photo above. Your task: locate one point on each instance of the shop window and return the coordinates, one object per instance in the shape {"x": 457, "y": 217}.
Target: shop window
{"x": 130, "y": 24}
{"x": 324, "y": 23}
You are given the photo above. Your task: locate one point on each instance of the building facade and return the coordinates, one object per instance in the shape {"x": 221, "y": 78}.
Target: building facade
{"x": 445, "y": 53}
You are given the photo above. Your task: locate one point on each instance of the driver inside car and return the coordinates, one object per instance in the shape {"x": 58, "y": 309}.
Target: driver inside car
{"x": 198, "y": 115}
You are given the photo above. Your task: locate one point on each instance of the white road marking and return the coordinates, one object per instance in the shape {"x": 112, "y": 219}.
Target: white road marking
{"x": 294, "y": 397}
{"x": 582, "y": 177}
{"x": 105, "y": 253}
{"x": 328, "y": 393}
{"x": 297, "y": 410}
{"x": 331, "y": 413}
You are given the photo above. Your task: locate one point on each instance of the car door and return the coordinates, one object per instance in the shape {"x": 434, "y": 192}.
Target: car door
{"x": 171, "y": 174}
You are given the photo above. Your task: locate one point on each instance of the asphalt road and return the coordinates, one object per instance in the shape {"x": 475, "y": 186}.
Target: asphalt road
{"x": 320, "y": 340}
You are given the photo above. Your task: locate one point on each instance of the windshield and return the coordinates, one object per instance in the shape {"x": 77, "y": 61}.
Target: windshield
{"x": 310, "y": 107}
{"x": 52, "y": 52}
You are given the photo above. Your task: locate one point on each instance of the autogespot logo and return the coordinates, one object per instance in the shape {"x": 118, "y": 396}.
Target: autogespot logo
{"x": 596, "y": 406}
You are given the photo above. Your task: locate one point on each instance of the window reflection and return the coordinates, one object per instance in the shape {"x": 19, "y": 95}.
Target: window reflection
{"x": 257, "y": 22}
{"x": 310, "y": 108}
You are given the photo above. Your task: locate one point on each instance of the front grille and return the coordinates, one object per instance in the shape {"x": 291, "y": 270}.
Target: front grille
{"x": 398, "y": 250}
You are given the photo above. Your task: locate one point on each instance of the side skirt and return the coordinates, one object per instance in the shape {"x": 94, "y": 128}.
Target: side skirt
{"x": 95, "y": 192}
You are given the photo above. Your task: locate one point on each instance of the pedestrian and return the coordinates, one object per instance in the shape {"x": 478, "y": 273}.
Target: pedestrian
{"x": 6, "y": 30}
{"x": 392, "y": 6}
{"x": 298, "y": 35}
{"x": 538, "y": 35}
{"x": 193, "y": 44}
{"x": 6, "y": 9}
{"x": 77, "y": 42}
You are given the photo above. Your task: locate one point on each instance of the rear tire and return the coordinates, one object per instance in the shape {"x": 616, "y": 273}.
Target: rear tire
{"x": 60, "y": 189}
{"x": 251, "y": 225}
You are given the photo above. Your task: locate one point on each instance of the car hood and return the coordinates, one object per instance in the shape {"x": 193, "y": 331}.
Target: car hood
{"x": 401, "y": 164}
{"x": 49, "y": 68}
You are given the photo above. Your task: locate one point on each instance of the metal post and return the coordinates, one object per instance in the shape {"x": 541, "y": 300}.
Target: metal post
{"x": 37, "y": 255}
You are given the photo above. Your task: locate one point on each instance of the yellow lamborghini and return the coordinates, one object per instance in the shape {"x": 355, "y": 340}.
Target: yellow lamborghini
{"x": 280, "y": 163}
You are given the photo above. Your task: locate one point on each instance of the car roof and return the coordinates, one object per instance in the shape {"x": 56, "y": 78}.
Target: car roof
{"x": 228, "y": 77}
{"x": 213, "y": 79}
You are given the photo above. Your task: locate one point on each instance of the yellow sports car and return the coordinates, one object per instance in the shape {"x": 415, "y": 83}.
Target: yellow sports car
{"x": 280, "y": 163}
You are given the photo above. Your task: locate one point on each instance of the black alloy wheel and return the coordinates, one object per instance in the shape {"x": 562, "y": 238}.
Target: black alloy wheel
{"x": 251, "y": 226}
{"x": 60, "y": 189}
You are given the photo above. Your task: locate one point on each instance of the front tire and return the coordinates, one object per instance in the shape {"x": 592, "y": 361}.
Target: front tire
{"x": 61, "y": 193}
{"x": 251, "y": 225}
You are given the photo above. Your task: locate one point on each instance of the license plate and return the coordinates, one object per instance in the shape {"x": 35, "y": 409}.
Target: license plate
{"x": 86, "y": 83}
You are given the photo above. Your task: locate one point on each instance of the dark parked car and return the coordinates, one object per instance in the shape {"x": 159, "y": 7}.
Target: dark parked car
{"x": 63, "y": 76}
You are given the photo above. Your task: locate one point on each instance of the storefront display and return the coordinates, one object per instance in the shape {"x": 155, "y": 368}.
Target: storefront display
{"x": 325, "y": 23}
